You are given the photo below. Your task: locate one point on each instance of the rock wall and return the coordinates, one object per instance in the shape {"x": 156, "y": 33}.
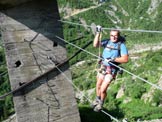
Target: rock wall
{"x": 28, "y": 32}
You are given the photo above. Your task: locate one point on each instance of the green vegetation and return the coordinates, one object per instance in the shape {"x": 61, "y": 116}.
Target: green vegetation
{"x": 131, "y": 105}
{"x": 6, "y": 105}
{"x": 92, "y": 116}
{"x": 101, "y": 16}
{"x": 124, "y": 14}
{"x": 112, "y": 14}
{"x": 75, "y": 4}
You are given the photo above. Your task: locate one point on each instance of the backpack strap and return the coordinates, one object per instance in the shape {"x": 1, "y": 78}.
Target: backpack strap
{"x": 119, "y": 47}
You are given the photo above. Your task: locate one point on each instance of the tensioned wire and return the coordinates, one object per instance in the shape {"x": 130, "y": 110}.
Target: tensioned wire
{"x": 158, "y": 87}
{"x": 131, "y": 30}
{"x": 111, "y": 117}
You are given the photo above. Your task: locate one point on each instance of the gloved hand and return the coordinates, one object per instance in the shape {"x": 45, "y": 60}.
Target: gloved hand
{"x": 98, "y": 29}
{"x": 109, "y": 59}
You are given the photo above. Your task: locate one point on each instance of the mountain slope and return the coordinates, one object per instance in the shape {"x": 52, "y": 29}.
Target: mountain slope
{"x": 145, "y": 50}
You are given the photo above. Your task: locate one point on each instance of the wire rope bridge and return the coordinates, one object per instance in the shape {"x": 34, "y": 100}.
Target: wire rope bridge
{"x": 98, "y": 57}
{"x": 58, "y": 65}
{"x": 44, "y": 47}
{"x": 147, "y": 31}
{"x": 113, "y": 118}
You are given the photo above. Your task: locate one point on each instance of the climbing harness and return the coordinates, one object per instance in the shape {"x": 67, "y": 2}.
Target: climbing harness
{"x": 108, "y": 70}
{"x": 111, "y": 69}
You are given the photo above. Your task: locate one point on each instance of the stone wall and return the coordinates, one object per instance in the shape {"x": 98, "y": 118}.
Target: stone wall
{"x": 28, "y": 32}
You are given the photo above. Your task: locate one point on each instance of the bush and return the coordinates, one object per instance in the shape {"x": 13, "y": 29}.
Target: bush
{"x": 135, "y": 89}
{"x": 157, "y": 97}
{"x": 6, "y": 105}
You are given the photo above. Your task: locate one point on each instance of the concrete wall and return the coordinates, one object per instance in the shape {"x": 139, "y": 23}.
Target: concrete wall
{"x": 28, "y": 32}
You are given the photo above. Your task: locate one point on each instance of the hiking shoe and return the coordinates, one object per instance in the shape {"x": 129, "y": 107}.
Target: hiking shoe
{"x": 95, "y": 103}
{"x": 98, "y": 107}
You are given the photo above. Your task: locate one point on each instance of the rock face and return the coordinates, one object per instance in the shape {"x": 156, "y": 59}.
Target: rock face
{"x": 28, "y": 32}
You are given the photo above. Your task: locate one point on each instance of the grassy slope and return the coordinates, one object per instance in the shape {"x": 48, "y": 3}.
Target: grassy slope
{"x": 134, "y": 89}
{"x": 85, "y": 78}
{"x": 6, "y": 105}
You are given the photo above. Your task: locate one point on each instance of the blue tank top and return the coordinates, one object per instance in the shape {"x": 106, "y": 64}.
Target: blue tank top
{"x": 111, "y": 50}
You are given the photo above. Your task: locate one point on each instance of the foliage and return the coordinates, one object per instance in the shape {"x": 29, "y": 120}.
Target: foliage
{"x": 77, "y": 4}
{"x": 137, "y": 109}
{"x": 157, "y": 97}
{"x": 111, "y": 15}
{"x": 137, "y": 19}
{"x": 85, "y": 78}
{"x": 135, "y": 89}
{"x": 91, "y": 116}
{"x": 6, "y": 105}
